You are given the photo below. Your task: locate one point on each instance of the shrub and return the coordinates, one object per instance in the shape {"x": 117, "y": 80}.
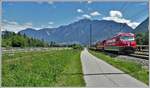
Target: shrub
{"x": 77, "y": 46}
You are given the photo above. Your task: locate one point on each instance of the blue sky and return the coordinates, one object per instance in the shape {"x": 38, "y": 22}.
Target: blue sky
{"x": 17, "y": 16}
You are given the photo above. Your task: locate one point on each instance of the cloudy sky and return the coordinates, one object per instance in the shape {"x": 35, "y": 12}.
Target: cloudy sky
{"x": 17, "y": 16}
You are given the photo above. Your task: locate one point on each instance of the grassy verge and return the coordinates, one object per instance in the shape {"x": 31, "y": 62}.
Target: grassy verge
{"x": 42, "y": 68}
{"x": 127, "y": 66}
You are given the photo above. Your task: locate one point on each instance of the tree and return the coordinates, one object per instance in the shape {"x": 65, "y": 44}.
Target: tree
{"x": 77, "y": 46}
{"x": 146, "y": 38}
{"x": 16, "y": 41}
{"x": 11, "y": 39}
{"x": 139, "y": 38}
{"x": 142, "y": 38}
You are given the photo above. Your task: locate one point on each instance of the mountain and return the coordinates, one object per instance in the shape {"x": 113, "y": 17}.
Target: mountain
{"x": 142, "y": 33}
{"x": 143, "y": 27}
{"x": 79, "y": 31}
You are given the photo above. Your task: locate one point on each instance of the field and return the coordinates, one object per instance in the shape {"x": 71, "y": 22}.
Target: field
{"x": 127, "y": 66}
{"x": 42, "y": 68}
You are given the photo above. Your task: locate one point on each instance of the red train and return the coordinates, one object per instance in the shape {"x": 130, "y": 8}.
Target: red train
{"x": 122, "y": 42}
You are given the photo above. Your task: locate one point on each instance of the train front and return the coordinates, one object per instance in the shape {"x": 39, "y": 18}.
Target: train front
{"x": 127, "y": 42}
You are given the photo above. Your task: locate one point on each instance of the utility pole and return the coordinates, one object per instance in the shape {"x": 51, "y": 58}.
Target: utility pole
{"x": 90, "y": 35}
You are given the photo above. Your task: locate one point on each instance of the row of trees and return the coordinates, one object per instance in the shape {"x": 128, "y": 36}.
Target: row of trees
{"x": 11, "y": 39}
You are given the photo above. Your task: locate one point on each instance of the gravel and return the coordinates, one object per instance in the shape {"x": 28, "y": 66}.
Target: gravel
{"x": 143, "y": 62}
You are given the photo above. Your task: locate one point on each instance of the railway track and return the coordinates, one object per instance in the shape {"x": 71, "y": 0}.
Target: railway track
{"x": 142, "y": 59}
{"x": 142, "y": 53}
{"x": 138, "y": 54}
{"x": 13, "y": 50}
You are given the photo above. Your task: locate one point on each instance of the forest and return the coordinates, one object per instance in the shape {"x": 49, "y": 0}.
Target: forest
{"x": 12, "y": 39}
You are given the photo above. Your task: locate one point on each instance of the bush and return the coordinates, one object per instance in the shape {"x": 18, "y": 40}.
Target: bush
{"x": 77, "y": 46}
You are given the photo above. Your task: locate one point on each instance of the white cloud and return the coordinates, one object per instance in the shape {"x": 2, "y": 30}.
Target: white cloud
{"x": 86, "y": 16}
{"x": 95, "y": 13}
{"x": 50, "y": 2}
{"x": 50, "y": 22}
{"x": 46, "y": 26}
{"x": 40, "y": 2}
{"x": 118, "y": 17}
{"x": 80, "y": 11}
{"x": 89, "y": 15}
{"x": 133, "y": 24}
{"x": 114, "y": 13}
{"x": 28, "y": 24}
{"x": 89, "y": 1}
{"x": 13, "y": 23}
{"x": 14, "y": 26}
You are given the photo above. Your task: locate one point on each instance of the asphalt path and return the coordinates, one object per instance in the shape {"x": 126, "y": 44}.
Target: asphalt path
{"x": 98, "y": 73}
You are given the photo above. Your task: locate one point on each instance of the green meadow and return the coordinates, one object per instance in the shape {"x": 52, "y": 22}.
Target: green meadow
{"x": 42, "y": 68}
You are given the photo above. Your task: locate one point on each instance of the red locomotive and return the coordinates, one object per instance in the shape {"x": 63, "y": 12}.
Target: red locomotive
{"x": 122, "y": 42}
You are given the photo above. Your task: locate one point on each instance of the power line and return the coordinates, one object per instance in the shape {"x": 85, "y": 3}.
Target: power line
{"x": 90, "y": 34}
{"x": 121, "y": 9}
{"x": 132, "y": 17}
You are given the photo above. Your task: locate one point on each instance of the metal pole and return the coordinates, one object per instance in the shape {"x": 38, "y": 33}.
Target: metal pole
{"x": 90, "y": 35}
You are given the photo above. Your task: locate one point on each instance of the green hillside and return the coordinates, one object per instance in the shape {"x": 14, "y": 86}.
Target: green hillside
{"x": 142, "y": 33}
{"x": 11, "y": 39}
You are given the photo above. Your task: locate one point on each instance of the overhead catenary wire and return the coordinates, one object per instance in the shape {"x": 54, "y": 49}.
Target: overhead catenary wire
{"x": 122, "y": 9}
{"x": 133, "y": 16}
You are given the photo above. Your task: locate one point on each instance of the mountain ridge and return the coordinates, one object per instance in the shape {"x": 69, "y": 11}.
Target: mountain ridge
{"x": 143, "y": 27}
{"x": 79, "y": 31}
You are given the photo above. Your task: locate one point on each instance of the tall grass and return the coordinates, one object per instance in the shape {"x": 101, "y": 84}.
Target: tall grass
{"x": 130, "y": 67}
{"x": 42, "y": 68}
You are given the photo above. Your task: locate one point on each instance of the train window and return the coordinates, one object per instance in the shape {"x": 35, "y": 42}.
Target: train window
{"x": 128, "y": 38}
{"x": 117, "y": 39}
